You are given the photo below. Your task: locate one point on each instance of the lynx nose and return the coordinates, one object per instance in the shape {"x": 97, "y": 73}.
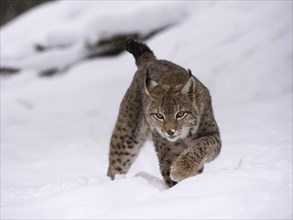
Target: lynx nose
{"x": 171, "y": 132}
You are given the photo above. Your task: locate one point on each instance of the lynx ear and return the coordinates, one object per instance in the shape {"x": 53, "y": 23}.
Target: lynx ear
{"x": 149, "y": 84}
{"x": 189, "y": 87}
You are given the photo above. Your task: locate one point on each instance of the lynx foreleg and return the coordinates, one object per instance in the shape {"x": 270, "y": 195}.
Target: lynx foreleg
{"x": 191, "y": 161}
{"x": 167, "y": 153}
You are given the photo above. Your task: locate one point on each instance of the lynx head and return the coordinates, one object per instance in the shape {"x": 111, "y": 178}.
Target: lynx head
{"x": 173, "y": 110}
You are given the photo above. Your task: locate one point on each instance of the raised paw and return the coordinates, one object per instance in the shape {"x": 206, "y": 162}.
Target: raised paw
{"x": 186, "y": 165}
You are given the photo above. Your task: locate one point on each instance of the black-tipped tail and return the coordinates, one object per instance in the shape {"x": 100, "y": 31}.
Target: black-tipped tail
{"x": 141, "y": 52}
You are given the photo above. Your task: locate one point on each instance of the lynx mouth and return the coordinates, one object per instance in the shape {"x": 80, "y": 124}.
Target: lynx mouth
{"x": 172, "y": 138}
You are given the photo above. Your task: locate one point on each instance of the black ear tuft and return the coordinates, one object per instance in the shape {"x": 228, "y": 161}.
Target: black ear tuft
{"x": 189, "y": 72}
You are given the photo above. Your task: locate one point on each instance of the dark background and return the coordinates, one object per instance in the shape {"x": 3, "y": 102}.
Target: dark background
{"x": 12, "y": 8}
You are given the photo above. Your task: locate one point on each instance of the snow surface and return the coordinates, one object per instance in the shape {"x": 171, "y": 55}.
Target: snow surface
{"x": 55, "y": 131}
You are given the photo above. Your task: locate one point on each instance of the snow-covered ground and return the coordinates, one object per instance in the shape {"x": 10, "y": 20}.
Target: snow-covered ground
{"x": 55, "y": 131}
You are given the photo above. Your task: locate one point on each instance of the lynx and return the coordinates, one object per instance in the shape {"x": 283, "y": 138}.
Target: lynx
{"x": 167, "y": 103}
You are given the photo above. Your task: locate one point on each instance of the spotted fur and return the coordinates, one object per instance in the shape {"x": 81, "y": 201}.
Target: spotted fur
{"x": 167, "y": 103}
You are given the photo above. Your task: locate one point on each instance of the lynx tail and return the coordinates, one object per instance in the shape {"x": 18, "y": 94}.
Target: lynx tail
{"x": 141, "y": 52}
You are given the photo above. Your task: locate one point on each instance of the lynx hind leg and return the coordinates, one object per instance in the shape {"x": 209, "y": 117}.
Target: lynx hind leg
{"x": 124, "y": 148}
{"x": 128, "y": 136}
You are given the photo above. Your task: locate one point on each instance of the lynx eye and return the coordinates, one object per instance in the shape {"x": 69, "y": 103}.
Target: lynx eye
{"x": 159, "y": 116}
{"x": 180, "y": 114}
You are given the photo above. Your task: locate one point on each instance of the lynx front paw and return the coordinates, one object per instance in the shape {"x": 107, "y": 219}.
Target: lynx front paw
{"x": 186, "y": 165}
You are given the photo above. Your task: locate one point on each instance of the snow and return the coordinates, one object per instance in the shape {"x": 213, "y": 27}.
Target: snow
{"x": 75, "y": 27}
{"x": 55, "y": 131}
